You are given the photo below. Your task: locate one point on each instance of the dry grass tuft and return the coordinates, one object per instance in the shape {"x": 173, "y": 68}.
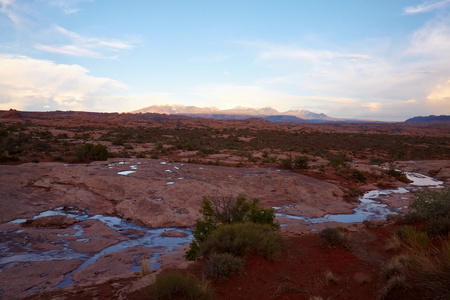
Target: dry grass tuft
{"x": 397, "y": 266}
{"x": 329, "y": 277}
{"x": 393, "y": 243}
{"x": 393, "y": 283}
{"x": 145, "y": 267}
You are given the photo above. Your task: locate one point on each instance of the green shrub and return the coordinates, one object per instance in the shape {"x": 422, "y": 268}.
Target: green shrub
{"x": 439, "y": 226}
{"x": 173, "y": 285}
{"x": 354, "y": 192}
{"x": 332, "y": 237}
{"x": 299, "y": 162}
{"x": 409, "y": 218}
{"x": 338, "y": 162}
{"x": 418, "y": 240}
{"x": 376, "y": 161}
{"x": 432, "y": 204}
{"x": 358, "y": 176}
{"x": 242, "y": 238}
{"x": 399, "y": 175}
{"x": 217, "y": 210}
{"x": 222, "y": 266}
{"x": 90, "y": 152}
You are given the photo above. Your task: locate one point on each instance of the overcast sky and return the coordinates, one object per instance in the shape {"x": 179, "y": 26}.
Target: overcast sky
{"x": 375, "y": 59}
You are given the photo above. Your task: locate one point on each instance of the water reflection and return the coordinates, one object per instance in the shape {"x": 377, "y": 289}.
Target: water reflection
{"x": 369, "y": 208}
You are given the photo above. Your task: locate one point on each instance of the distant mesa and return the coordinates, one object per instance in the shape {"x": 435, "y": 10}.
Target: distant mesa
{"x": 10, "y": 114}
{"x": 240, "y": 113}
{"x": 430, "y": 118}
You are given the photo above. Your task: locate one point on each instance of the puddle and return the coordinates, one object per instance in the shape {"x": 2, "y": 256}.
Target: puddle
{"x": 150, "y": 237}
{"x": 125, "y": 173}
{"x": 423, "y": 180}
{"x": 369, "y": 208}
{"x": 170, "y": 182}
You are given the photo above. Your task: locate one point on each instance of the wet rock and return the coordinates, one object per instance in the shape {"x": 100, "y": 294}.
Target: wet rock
{"x": 172, "y": 233}
{"x": 24, "y": 280}
{"x": 94, "y": 245}
{"x": 115, "y": 264}
{"x": 51, "y": 221}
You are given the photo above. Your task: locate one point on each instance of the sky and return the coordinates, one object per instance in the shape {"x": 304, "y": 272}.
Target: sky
{"x": 375, "y": 59}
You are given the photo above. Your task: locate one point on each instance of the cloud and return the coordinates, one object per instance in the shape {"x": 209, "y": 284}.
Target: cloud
{"x": 83, "y": 46}
{"x": 68, "y": 50}
{"x": 425, "y": 7}
{"x": 32, "y": 84}
{"x": 373, "y": 106}
{"x": 272, "y": 51}
{"x": 440, "y": 97}
{"x": 384, "y": 76}
{"x": 433, "y": 39}
{"x": 67, "y": 6}
{"x": 26, "y": 14}
{"x": 14, "y": 11}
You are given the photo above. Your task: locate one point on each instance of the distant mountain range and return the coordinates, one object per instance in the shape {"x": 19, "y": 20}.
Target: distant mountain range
{"x": 267, "y": 113}
{"x": 429, "y": 118}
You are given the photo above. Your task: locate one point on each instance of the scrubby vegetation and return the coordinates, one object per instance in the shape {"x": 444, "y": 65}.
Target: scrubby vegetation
{"x": 163, "y": 135}
{"x": 242, "y": 238}
{"x": 424, "y": 262}
{"x": 223, "y": 265}
{"x": 175, "y": 285}
{"x": 89, "y": 152}
{"x": 399, "y": 175}
{"x": 224, "y": 210}
{"x": 296, "y": 163}
{"x": 333, "y": 237}
{"x": 434, "y": 206}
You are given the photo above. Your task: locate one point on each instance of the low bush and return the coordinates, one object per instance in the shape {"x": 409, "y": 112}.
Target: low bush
{"x": 439, "y": 226}
{"x": 333, "y": 237}
{"x": 432, "y": 204}
{"x": 358, "y": 176}
{"x": 399, "y": 175}
{"x": 242, "y": 238}
{"x": 90, "y": 152}
{"x": 220, "y": 210}
{"x": 174, "y": 285}
{"x": 221, "y": 266}
{"x": 376, "y": 161}
{"x": 354, "y": 192}
{"x": 296, "y": 163}
{"x": 340, "y": 161}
